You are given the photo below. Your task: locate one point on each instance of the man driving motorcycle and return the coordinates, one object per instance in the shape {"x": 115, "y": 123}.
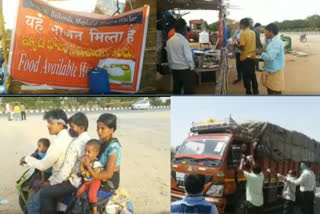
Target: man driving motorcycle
{"x": 57, "y": 125}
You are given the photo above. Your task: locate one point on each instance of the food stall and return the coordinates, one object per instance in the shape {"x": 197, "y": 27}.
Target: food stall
{"x": 61, "y": 41}
{"x": 208, "y": 61}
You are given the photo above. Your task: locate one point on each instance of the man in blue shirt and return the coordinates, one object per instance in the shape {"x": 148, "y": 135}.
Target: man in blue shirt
{"x": 273, "y": 77}
{"x": 194, "y": 201}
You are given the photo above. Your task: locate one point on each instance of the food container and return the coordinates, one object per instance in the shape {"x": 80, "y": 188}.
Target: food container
{"x": 204, "y": 37}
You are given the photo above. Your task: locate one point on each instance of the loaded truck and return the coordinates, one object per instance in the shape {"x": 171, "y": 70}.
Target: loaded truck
{"x": 213, "y": 149}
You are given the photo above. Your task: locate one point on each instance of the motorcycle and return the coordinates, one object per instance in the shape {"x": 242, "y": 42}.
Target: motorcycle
{"x": 303, "y": 38}
{"x": 114, "y": 203}
{"x": 23, "y": 194}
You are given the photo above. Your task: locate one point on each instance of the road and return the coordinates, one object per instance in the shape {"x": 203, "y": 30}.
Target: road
{"x": 145, "y": 167}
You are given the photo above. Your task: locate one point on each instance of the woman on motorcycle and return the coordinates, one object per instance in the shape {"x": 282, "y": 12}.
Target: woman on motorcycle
{"x": 109, "y": 156}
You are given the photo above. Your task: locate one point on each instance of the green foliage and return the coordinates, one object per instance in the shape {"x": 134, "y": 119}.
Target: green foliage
{"x": 168, "y": 102}
{"x": 9, "y": 33}
{"x": 312, "y": 23}
{"x": 213, "y": 27}
{"x": 173, "y": 153}
{"x": 46, "y": 103}
{"x": 155, "y": 101}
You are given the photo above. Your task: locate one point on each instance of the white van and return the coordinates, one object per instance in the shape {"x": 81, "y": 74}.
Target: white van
{"x": 141, "y": 104}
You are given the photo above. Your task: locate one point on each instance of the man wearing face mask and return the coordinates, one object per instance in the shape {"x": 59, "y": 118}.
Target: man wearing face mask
{"x": 67, "y": 180}
{"x": 307, "y": 182}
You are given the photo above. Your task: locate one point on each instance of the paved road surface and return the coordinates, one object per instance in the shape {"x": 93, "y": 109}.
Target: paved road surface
{"x": 145, "y": 168}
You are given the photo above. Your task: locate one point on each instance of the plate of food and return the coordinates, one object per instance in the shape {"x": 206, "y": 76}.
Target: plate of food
{"x": 255, "y": 57}
{"x": 119, "y": 70}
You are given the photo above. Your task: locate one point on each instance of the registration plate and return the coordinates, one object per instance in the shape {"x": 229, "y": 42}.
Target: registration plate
{"x": 180, "y": 179}
{"x": 180, "y": 176}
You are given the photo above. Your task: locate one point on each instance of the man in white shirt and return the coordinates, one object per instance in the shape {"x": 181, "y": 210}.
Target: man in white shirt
{"x": 289, "y": 192}
{"x": 67, "y": 180}
{"x": 180, "y": 59}
{"x": 9, "y": 111}
{"x": 307, "y": 182}
{"x": 254, "y": 188}
{"x": 57, "y": 125}
{"x": 246, "y": 155}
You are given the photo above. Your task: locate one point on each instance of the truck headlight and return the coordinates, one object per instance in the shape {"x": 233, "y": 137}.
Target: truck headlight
{"x": 215, "y": 190}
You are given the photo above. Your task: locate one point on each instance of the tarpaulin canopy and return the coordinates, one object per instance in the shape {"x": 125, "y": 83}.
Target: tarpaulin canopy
{"x": 189, "y": 4}
{"x": 282, "y": 144}
{"x": 272, "y": 140}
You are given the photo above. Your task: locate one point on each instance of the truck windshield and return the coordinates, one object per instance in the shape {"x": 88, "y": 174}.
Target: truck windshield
{"x": 207, "y": 147}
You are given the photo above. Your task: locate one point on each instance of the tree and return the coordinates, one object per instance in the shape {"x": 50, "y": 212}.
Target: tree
{"x": 47, "y": 103}
{"x": 313, "y": 21}
{"x": 213, "y": 27}
{"x": 155, "y": 101}
{"x": 310, "y": 23}
{"x": 168, "y": 102}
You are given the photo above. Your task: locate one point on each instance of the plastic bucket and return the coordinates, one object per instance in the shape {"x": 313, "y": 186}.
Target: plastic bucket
{"x": 99, "y": 81}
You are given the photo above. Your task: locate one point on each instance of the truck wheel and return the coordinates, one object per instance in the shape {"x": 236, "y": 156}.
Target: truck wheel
{"x": 23, "y": 205}
{"x": 238, "y": 206}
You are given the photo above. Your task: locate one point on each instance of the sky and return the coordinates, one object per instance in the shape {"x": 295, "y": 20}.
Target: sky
{"x": 263, "y": 11}
{"x": 293, "y": 113}
{"x": 10, "y": 7}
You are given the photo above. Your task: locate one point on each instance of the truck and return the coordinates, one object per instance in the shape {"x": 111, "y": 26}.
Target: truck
{"x": 213, "y": 149}
{"x": 196, "y": 26}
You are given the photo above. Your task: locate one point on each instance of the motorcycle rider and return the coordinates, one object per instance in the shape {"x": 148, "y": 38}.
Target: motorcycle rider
{"x": 67, "y": 180}
{"x": 57, "y": 120}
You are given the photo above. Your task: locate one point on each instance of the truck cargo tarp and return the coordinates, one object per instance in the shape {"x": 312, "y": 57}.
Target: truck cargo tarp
{"x": 188, "y": 4}
{"x": 282, "y": 144}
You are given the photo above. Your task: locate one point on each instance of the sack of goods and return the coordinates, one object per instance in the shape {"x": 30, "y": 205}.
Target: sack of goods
{"x": 119, "y": 203}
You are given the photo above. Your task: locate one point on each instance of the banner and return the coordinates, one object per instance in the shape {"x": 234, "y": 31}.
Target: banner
{"x": 55, "y": 47}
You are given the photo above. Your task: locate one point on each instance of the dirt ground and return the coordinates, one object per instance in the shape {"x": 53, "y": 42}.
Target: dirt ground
{"x": 302, "y": 73}
{"x": 145, "y": 167}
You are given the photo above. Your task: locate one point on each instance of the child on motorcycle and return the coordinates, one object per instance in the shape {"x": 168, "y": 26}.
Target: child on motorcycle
{"x": 39, "y": 176}
{"x": 92, "y": 185}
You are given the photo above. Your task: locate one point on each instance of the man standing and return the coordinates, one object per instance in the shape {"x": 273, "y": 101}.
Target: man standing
{"x": 307, "y": 182}
{"x": 289, "y": 192}
{"x": 246, "y": 155}
{"x": 17, "y": 112}
{"x": 194, "y": 201}
{"x": 248, "y": 49}
{"x": 236, "y": 40}
{"x": 180, "y": 59}
{"x": 23, "y": 112}
{"x": 254, "y": 186}
{"x": 257, "y": 27}
{"x": 273, "y": 77}
{"x": 9, "y": 111}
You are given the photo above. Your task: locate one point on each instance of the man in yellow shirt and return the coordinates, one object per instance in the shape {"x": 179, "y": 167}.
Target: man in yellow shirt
{"x": 247, "y": 64}
{"x": 17, "y": 112}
